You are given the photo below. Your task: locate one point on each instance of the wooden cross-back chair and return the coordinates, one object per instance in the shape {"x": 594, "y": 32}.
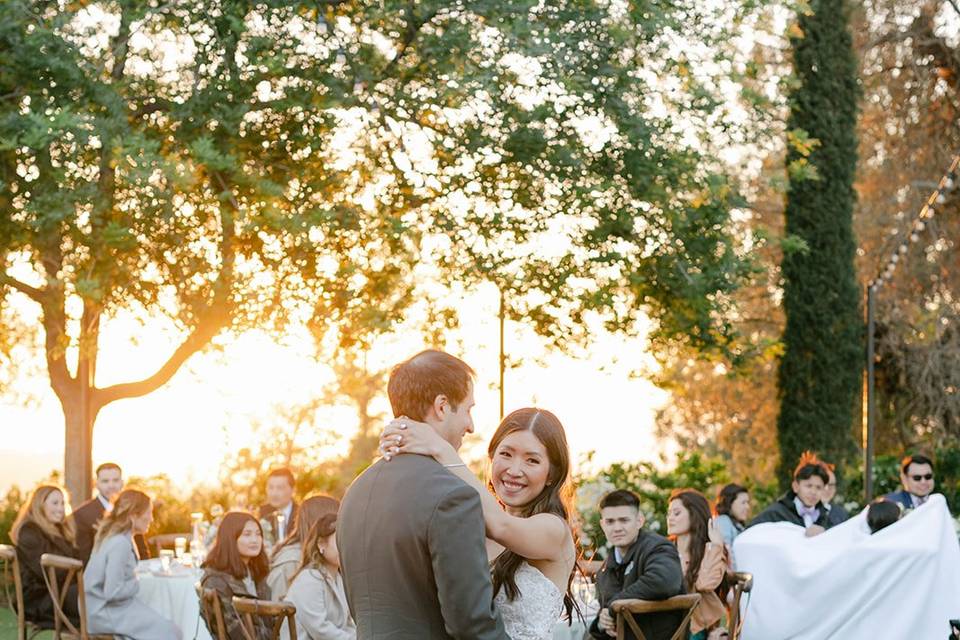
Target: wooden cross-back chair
{"x": 63, "y": 627}
{"x": 743, "y": 584}
{"x": 275, "y": 612}
{"x": 625, "y": 610}
{"x": 166, "y": 540}
{"x": 212, "y": 611}
{"x": 13, "y": 592}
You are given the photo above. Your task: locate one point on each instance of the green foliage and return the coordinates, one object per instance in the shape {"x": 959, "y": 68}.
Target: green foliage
{"x": 652, "y": 484}
{"x": 8, "y": 512}
{"x": 232, "y": 164}
{"x": 819, "y": 374}
{"x": 236, "y": 181}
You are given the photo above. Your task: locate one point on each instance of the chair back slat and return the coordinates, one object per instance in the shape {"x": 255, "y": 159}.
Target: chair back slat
{"x": 212, "y": 611}
{"x": 162, "y": 540}
{"x": 743, "y": 584}
{"x": 625, "y": 610}
{"x": 73, "y": 569}
{"x": 12, "y": 579}
{"x": 276, "y": 613}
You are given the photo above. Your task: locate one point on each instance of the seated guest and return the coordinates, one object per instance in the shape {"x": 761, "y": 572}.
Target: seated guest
{"x": 237, "y": 566}
{"x": 702, "y": 557}
{"x": 916, "y": 474}
{"x": 280, "y": 502}
{"x": 41, "y": 527}
{"x": 639, "y": 565}
{"x": 882, "y": 513}
{"x": 732, "y": 510}
{"x": 288, "y": 554}
{"x": 110, "y": 580}
{"x": 317, "y": 588}
{"x": 85, "y": 518}
{"x": 801, "y": 505}
{"x": 836, "y": 513}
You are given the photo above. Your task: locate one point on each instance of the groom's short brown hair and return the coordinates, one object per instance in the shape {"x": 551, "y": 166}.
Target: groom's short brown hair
{"x": 415, "y": 383}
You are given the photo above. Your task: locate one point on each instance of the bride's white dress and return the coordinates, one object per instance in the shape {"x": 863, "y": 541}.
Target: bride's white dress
{"x": 536, "y": 609}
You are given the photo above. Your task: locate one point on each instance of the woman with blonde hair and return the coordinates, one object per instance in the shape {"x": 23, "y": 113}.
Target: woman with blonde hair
{"x": 110, "y": 579}
{"x": 317, "y": 588}
{"x": 286, "y": 557}
{"x": 42, "y": 527}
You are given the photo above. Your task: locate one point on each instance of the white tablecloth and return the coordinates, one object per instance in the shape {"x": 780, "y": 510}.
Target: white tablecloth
{"x": 174, "y": 597}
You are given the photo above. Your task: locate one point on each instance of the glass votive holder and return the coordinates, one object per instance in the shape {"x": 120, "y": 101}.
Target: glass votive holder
{"x": 166, "y": 560}
{"x": 180, "y": 546}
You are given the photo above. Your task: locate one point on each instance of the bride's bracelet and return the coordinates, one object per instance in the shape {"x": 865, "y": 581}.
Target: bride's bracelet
{"x": 458, "y": 464}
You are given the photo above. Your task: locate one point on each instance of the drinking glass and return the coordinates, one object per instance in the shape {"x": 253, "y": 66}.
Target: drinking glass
{"x": 166, "y": 559}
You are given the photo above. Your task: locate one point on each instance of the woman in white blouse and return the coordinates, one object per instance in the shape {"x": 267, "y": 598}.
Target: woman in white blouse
{"x": 317, "y": 588}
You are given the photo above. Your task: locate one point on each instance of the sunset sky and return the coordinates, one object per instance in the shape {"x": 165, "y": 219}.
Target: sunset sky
{"x": 208, "y": 410}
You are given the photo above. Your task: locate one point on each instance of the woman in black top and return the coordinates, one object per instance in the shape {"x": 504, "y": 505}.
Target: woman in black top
{"x": 42, "y": 527}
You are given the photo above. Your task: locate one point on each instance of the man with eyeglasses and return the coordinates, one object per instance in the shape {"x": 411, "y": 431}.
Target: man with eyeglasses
{"x": 916, "y": 474}
{"x": 836, "y": 512}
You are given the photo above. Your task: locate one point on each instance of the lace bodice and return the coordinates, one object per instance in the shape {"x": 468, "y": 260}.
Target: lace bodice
{"x": 535, "y": 611}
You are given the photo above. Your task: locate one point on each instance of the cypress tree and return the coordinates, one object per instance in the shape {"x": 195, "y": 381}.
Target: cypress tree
{"x": 819, "y": 374}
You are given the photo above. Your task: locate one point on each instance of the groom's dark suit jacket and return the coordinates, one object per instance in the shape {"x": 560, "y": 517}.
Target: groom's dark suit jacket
{"x": 411, "y": 542}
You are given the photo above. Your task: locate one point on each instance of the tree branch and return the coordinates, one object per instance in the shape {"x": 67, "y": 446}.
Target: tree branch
{"x": 413, "y": 28}
{"x": 956, "y": 7}
{"x": 37, "y": 295}
{"x": 202, "y": 335}
{"x": 216, "y": 316}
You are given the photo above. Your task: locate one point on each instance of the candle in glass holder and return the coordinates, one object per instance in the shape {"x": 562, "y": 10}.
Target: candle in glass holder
{"x": 180, "y": 546}
{"x": 166, "y": 559}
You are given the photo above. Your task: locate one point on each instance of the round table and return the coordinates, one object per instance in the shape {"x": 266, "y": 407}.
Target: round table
{"x": 174, "y": 597}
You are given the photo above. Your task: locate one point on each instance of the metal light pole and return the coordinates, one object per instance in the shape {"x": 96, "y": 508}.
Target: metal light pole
{"x": 502, "y": 352}
{"x": 871, "y": 396}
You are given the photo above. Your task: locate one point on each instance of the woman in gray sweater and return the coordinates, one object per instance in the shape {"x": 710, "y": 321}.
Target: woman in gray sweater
{"x": 110, "y": 580}
{"x": 317, "y": 588}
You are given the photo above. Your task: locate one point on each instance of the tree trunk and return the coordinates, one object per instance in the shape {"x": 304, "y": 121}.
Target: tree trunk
{"x": 78, "y": 452}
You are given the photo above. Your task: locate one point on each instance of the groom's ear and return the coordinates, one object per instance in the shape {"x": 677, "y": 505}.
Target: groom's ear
{"x": 439, "y": 408}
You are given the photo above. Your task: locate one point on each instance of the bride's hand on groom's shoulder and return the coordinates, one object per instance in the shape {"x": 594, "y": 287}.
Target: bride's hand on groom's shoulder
{"x": 403, "y": 435}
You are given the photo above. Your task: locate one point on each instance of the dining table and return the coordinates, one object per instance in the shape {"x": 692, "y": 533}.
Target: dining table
{"x": 173, "y": 594}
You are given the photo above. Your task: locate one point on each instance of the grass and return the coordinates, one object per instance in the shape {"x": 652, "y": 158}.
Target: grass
{"x": 8, "y": 627}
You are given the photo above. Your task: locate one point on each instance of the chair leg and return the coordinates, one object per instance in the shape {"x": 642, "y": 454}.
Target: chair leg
{"x": 681, "y": 632}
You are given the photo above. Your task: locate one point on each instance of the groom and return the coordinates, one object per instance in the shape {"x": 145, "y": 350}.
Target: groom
{"x": 410, "y": 533}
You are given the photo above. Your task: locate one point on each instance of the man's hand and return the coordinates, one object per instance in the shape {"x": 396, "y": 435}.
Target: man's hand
{"x": 607, "y": 623}
{"x": 814, "y": 530}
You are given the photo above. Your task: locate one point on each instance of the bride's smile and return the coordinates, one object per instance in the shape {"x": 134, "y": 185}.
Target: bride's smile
{"x": 520, "y": 468}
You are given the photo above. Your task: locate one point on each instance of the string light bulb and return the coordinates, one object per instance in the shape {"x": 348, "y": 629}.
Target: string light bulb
{"x": 939, "y": 197}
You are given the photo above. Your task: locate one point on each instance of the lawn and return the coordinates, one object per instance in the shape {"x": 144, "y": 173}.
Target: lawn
{"x": 8, "y": 627}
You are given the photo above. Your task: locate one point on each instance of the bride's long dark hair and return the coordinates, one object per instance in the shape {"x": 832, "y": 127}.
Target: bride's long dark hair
{"x": 556, "y": 497}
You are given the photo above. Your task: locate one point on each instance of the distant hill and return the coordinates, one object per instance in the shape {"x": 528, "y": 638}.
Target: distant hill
{"x": 26, "y": 469}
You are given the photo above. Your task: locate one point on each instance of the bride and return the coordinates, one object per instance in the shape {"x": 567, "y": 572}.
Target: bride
{"x": 529, "y": 539}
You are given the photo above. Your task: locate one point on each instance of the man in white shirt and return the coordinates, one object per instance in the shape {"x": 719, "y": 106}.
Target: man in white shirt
{"x": 280, "y": 509}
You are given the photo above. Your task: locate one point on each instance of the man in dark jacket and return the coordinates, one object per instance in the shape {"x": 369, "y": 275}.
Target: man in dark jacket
{"x": 280, "y": 489}
{"x": 410, "y": 533}
{"x": 802, "y": 505}
{"x": 916, "y": 474}
{"x": 836, "y": 512}
{"x": 640, "y": 565}
{"x": 87, "y": 515}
